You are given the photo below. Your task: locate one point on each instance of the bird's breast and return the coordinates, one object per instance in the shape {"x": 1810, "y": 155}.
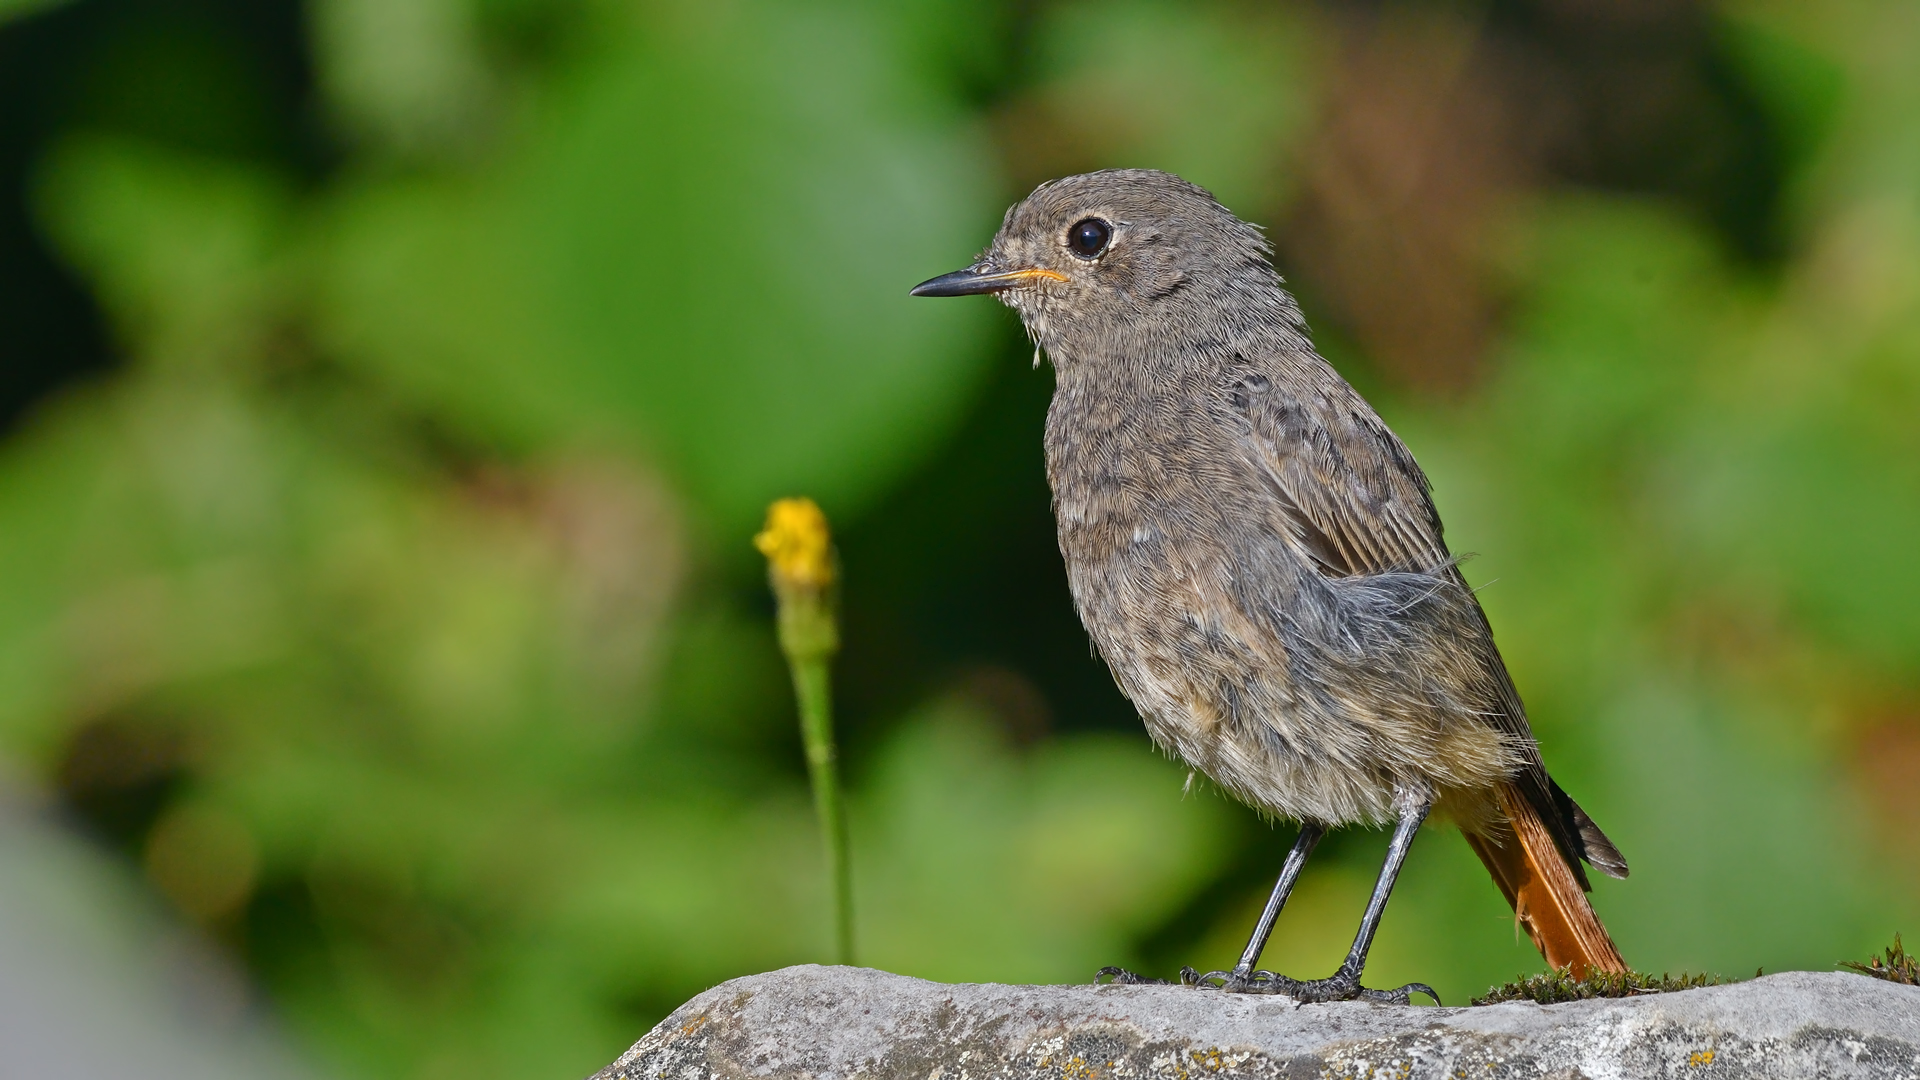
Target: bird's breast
{"x": 1144, "y": 509}
{"x": 1134, "y": 469}
{"x": 1101, "y": 464}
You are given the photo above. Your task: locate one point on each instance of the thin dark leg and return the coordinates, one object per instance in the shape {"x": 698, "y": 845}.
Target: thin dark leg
{"x": 1242, "y": 972}
{"x": 1344, "y": 984}
{"x": 1403, "y": 834}
{"x": 1303, "y": 846}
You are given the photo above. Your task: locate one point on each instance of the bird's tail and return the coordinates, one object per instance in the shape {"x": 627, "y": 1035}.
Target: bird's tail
{"x": 1546, "y": 892}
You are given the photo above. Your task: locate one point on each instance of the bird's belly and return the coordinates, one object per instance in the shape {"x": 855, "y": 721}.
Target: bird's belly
{"x": 1242, "y": 695}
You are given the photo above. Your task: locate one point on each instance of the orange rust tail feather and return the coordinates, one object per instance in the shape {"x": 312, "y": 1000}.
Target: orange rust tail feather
{"x": 1547, "y": 899}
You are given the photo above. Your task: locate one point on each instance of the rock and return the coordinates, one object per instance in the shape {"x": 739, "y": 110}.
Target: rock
{"x": 853, "y": 1022}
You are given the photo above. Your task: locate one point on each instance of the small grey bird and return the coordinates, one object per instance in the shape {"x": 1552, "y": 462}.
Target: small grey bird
{"x": 1258, "y": 559}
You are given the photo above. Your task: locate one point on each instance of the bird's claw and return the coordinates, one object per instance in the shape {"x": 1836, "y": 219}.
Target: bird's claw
{"x": 1258, "y": 982}
{"x": 1122, "y": 977}
{"x": 1400, "y": 995}
{"x": 1339, "y": 987}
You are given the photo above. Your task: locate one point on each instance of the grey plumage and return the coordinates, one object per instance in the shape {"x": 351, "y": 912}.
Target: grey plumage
{"x": 1254, "y": 553}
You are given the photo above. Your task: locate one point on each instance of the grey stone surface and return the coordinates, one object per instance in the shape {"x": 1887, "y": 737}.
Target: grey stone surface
{"x": 852, "y": 1022}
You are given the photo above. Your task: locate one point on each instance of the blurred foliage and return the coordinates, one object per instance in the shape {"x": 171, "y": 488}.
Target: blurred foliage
{"x": 13, "y": 9}
{"x": 390, "y": 600}
{"x": 736, "y": 196}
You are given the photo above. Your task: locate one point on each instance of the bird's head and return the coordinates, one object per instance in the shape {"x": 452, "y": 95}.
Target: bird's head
{"x": 1094, "y": 261}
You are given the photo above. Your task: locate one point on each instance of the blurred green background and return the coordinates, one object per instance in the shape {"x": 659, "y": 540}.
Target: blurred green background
{"x": 392, "y": 386}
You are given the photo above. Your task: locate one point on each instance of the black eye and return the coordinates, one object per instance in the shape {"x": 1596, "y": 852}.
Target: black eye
{"x": 1089, "y": 237}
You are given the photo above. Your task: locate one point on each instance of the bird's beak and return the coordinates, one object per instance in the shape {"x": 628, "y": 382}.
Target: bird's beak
{"x": 971, "y": 282}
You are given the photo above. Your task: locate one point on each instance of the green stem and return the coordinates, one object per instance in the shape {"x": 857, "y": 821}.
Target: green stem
{"x": 812, "y": 686}
{"x": 810, "y": 637}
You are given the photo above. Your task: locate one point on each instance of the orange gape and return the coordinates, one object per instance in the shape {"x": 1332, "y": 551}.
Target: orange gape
{"x": 1547, "y": 899}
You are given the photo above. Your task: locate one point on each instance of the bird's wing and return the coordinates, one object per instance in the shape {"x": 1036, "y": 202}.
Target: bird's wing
{"x": 1355, "y": 500}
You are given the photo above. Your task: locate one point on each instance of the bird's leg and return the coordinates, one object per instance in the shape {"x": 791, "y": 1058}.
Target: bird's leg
{"x": 1240, "y": 978}
{"x": 1236, "y": 979}
{"x": 1344, "y": 984}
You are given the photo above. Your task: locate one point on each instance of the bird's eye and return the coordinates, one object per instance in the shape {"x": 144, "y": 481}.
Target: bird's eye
{"x": 1089, "y": 237}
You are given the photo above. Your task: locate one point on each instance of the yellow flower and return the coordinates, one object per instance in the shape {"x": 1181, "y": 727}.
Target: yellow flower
{"x": 797, "y": 545}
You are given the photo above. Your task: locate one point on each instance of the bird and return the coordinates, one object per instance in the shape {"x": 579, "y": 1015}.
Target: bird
{"x": 1258, "y": 559}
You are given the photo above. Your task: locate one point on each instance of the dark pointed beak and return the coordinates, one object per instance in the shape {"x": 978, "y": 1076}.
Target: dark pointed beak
{"x": 973, "y": 282}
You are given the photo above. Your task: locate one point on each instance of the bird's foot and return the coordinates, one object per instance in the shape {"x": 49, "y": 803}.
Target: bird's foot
{"x": 1119, "y": 976}
{"x": 1341, "y": 986}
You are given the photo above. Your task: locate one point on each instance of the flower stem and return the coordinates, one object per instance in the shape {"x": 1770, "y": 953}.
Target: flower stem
{"x": 800, "y": 567}
{"x": 811, "y": 687}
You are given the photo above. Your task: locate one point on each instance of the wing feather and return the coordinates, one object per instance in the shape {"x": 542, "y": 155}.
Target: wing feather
{"x": 1356, "y": 502}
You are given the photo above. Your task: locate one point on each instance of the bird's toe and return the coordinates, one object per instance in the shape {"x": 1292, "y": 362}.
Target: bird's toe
{"x": 1119, "y": 976}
